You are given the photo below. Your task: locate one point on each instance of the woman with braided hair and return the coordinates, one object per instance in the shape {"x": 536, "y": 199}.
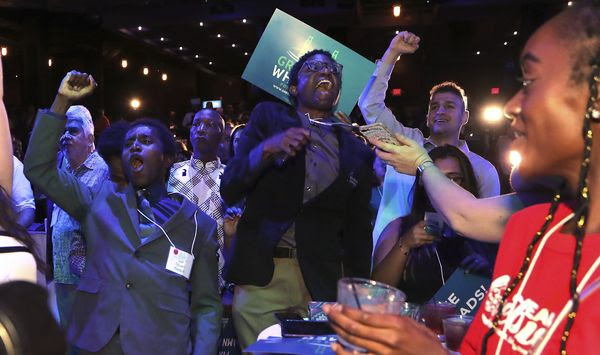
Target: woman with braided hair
{"x": 545, "y": 294}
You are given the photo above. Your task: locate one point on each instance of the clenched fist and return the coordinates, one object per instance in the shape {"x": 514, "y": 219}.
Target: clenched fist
{"x": 76, "y": 85}
{"x": 404, "y": 43}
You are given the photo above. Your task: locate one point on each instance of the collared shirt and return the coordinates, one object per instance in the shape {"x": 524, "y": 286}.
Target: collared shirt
{"x": 322, "y": 165}
{"x": 200, "y": 182}
{"x": 22, "y": 195}
{"x": 92, "y": 172}
{"x": 396, "y": 201}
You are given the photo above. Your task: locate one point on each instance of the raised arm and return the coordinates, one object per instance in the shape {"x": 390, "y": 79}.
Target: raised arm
{"x": 6, "y": 155}
{"x": 62, "y": 187}
{"x": 480, "y": 219}
{"x": 372, "y": 100}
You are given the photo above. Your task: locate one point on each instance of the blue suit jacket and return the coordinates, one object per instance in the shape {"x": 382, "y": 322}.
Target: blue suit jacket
{"x": 125, "y": 284}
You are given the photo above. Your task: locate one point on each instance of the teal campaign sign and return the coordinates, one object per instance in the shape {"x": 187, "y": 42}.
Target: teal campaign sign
{"x": 464, "y": 290}
{"x": 284, "y": 41}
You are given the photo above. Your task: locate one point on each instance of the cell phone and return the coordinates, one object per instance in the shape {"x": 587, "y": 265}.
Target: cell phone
{"x": 380, "y": 132}
{"x": 293, "y": 325}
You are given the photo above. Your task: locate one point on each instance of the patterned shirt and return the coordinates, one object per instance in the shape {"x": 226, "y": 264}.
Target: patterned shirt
{"x": 200, "y": 182}
{"x": 93, "y": 172}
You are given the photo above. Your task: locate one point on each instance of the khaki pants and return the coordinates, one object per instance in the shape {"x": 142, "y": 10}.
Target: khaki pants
{"x": 254, "y": 307}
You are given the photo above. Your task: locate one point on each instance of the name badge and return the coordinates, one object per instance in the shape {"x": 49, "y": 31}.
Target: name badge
{"x": 180, "y": 262}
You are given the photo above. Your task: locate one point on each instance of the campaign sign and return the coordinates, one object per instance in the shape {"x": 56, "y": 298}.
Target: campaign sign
{"x": 464, "y": 290}
{"x": 284, "y": 41}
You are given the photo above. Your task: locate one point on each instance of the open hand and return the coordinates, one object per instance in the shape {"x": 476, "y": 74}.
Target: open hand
{"x": 76, "y": 85}
{"x": 404, "y": 158}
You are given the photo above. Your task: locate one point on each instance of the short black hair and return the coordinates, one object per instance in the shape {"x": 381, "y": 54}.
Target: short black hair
{"x": 452, "y": 87}
{"x": 110, "y": 142}
{"x": 166, "y": 137}
{"x": 293, "y": 81}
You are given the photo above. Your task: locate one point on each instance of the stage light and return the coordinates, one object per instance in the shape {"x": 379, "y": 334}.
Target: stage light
{"x": 180, "y": 48}
{"x": 478, "y": 52}
{"x": 162, "y": 39}
{"x": 493, "y": 113}
{"x": 49, "y": 62}
{"x": 514, "y": 158}
{"x": 135, "y": 104}
{"x": 233, "y": 45}
{"x": 164, "y": 77}
{"x": 4, "y": 51}
{"x": 218, "y": 35}
{"x": 201, "y": 24}
{"x": 506, "y": 43}
{"x": 245, "y": 53}
{"x": 196, "y": 56}
{"x": 244, "y": 20}
{"x": 570, "y": 3}
{"x": 515, "y": 33}
{"x": 124, "y": 63}
{"x": 209, "y": 63}
{"x": 396, "y": 10}
{"x": 145, "y": 71}
{"x": 140, "y": 28}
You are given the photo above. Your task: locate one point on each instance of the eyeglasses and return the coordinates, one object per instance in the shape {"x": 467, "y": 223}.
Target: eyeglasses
{"x": 317, "y": 66}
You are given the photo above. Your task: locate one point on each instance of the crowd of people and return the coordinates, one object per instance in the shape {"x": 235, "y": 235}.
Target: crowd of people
{"x": 151, "y": 233}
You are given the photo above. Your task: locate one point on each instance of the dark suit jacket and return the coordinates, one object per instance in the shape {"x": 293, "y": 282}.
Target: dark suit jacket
{"x": 332, "y": 231}
{"x": 125, "y": 284}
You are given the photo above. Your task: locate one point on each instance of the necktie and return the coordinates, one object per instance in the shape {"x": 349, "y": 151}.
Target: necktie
{"x": 146, "y": 226}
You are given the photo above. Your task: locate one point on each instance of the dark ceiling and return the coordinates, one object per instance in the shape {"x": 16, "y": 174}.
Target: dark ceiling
{"x": 473, "y": 42}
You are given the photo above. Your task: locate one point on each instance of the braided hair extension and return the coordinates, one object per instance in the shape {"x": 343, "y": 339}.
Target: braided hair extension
{"x": 582, "y": 201}
{"x": 580, "y": 216}
{"x": 524, "y": 266}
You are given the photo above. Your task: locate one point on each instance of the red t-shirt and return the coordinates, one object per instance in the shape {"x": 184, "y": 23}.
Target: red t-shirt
{"x": 524, "y": 319}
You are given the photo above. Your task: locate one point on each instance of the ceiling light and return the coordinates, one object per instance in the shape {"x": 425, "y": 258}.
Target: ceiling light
{"x": 140, "y": 28}
{"x": 164, "y": 77}
{"x": 49, "y": 62}
{"x": 135, "y": 103}
{"x": 201, "y": 24}
{"x": 162, "y": 39}
{"x": 506, "y": 43}
{"x": 124, "y": 63}
{"x": 218, "y": 35}
{"x": 209, "y": 63}
{"x": 570, "y": 3}
{"x": 197, "y": 56}
{"x": 233, "y": 45}
{"x": 397, "y": 31}
{"x": 180, "y": 48}
{"x": 493, "y": 113}
{"x": 245, "y": 53}
{"x": 396, "y": 10}
{"x": 145, "y": 71}
{"x": 4, "y": 51}
{"x": 515, "y": 33}
{"x": 244, "y": 20}
{"x": 478, "y": 52}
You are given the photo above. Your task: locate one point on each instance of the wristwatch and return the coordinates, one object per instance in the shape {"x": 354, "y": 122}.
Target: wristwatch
{"x": 424, "y": 165}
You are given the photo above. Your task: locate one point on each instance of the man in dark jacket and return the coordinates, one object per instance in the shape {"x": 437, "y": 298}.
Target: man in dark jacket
{"x": 307, "y": 188}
